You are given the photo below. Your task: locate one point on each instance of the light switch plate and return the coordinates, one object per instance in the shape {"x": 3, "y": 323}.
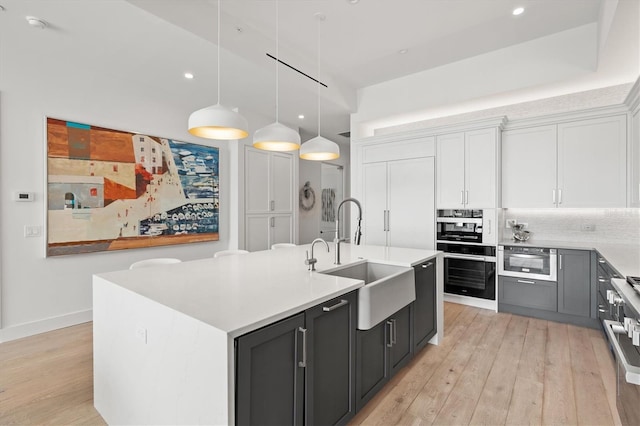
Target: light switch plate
{"x": 31, "y": 231}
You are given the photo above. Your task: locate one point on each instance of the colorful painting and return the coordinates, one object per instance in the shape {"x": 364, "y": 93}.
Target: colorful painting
{"x": 113, "y": 190}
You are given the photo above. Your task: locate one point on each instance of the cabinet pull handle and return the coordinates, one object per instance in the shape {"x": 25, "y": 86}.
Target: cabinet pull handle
{"x": 394, "y": 334}
{"x": 559, "y": 196}
{"x": 601, "y": 260}
{"x": 303, "y": 363}
{"x": 273, "y": 205}
{"x": 426, "y": 265}
{"x": 385, "y": 227}
{"x": 272, "y": 222}
{"x": 390, "y": 342}
{"x": 336, "y": 306}
{"x": 602, "y": 280}
{"x": 462, "y": 197}
{"x": 560, "y": 259}
{"x": 554, "y": 196}
{"x": 526, "y": 282}
{"x": 466, "y": 197}
{"x": 388, "y": 220}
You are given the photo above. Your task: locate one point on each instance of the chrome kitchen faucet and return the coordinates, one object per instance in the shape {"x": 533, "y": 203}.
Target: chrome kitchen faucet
{"x": 356, "y": 238}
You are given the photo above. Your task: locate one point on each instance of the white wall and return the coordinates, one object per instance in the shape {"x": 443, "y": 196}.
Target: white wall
{"x": 41, "y": 293}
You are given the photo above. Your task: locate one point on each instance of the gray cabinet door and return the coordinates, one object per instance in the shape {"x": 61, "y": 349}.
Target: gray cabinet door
{"x": 330, "y": 373}
{"x": 372, "y": 370}
{"x": 424, "y": 308}
{"x": 269, "y": 378}
{"x": 401, "y": 349}
{"x": 574, "y": 282}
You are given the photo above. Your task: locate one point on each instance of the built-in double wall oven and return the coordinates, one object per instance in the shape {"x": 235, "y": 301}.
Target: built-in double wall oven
{"x": 469, "y": 265}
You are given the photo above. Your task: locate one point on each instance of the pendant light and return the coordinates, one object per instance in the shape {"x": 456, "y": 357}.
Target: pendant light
{"x": 319, "y": 148}
{"x": 276, "y": 136}
{"x": 217, "y": 121}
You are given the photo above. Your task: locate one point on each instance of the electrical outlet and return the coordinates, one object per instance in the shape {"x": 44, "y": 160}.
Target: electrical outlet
{"x": 511, "y": 222}
{"x": 587, "y": 227}
{"x": 141, "y": 334}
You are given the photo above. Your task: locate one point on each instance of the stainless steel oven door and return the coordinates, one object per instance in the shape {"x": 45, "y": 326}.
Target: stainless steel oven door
{"x": 628, "y": 372}
{"x": 541, "y": 266}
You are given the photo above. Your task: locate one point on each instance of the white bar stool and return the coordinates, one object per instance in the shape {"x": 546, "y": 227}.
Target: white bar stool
{"x": 153, "y": 262}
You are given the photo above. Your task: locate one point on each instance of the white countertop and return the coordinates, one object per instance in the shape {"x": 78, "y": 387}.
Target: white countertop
{"x": 625, "y": 258}
{"x": 238, "y": 294}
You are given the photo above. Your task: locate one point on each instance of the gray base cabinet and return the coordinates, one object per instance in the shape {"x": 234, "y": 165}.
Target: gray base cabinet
{"x": 381, "y": 351}
{"x": 300, "y": 370}
{"x": 572, "y": 299}
{"x": 424, "y": 312}
{"x": 269, "y": 378}
{"x": 574, "y": 282}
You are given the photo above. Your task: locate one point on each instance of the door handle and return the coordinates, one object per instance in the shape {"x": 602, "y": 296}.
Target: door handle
{"x": 462, "y": 197}
{"x": 272, "y": 222}
{"x": 385, "y": 226}
{"x": 560, "y": 262}
{"x": 394, "y": 334}
{"x": 554, "y": 196}
{"x": 390, "y": 328}
{"x": 426, "y": 265}
{"x": 388, "y": 220}
{"x": 559, "y": 196}
{"x": 466, "y": 197}
{"x": 273, "y": 205}
{"x": 336, "y": 306}
{"x": 303, "y": 363}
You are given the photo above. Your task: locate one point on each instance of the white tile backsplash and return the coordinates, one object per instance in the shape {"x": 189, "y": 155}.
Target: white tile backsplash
{"x": 610, "y": 225}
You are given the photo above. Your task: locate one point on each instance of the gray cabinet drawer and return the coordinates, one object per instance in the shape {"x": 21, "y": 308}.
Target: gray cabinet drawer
{"x": 528, "y": 293}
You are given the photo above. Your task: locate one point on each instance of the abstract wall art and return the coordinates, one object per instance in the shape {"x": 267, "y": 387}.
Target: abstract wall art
{"x": 112, "y": 190}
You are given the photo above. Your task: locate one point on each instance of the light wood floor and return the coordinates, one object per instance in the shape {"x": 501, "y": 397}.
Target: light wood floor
{"x": 490, "y": 369}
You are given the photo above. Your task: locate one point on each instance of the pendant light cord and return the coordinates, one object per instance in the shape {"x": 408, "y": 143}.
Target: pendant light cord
{"x": 219, "y": 88}
{"x": 277, "y": 60}
{"x": 319, "y": 17}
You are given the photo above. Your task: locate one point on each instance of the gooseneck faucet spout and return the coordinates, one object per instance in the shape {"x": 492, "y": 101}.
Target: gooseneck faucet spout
{"x": 311, "y": 262}
{"x": 358, "y": 234}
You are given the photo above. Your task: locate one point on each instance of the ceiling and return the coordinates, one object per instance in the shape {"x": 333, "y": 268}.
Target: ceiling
{"x": 360, "y": 44}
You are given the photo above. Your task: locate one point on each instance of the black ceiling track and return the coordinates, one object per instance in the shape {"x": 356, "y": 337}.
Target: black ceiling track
{"x": 297, "y": 70}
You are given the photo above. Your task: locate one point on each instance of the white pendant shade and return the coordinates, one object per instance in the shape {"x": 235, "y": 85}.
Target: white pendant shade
{"x": 319, "y": 149}
{"x": 276, "y": 137}
{"x": 218, "y": 122}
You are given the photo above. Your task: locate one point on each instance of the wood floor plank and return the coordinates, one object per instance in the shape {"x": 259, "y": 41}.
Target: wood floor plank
{"x": 592, "y": 407}
{"x": 461, "y": 403}
{"x": 559, "y": 406}
{"x": 526, "y": 406}
{"x": 493, "y": 404}
{"x": 431, "y": 398}
{"x": 422, "y": 368}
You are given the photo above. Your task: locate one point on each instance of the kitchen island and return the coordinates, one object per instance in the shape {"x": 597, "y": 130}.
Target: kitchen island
{"x": 164, "y": 337}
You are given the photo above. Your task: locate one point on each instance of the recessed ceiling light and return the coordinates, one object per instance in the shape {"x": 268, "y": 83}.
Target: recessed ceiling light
{"x": 36, "y": 22}
{"x": 518, "y": 11}
{"x": 403, "y": 51}
{"x": 188, "y": 76}
{"x": 353, "y": 1}
{"x": 301, "y": 116}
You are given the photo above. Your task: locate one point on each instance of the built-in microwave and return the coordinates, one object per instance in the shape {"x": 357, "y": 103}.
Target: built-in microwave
{"x": 528, "y": 262}
{"x": 464, "y": 226}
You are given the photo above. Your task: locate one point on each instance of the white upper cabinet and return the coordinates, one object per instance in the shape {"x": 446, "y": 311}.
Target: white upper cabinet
{"x": 634, "y": 196}
{"x": 573, "y": 165}
{"x": 466, "y": 170}
{"x": 374, "y": 203}
{"x": 529, "y": 167}
{"x": 450, "y": 171}
{"x": 592, "y": 168}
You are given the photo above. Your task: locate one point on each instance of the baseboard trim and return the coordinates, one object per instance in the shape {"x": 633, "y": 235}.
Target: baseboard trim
{"x": 42, "y": 326}
{"x": 472, "y": 301}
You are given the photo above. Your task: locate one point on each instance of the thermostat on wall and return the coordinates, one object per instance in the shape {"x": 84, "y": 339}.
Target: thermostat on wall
{"x": 23, "y": 196}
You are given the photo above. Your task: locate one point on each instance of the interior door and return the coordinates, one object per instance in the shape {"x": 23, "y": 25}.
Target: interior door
{"x": 411, "y": 195}
{"x": 374, "y": 203}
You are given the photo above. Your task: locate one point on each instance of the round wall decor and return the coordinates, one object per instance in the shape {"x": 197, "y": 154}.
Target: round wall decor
{"x": 307, "y": 197}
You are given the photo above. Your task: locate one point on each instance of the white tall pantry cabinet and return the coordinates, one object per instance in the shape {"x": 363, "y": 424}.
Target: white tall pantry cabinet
{"x": 394, "y": 180}
{"x": 269, "y": 200}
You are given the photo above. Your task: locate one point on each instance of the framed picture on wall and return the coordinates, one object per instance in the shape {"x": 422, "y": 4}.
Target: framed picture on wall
{"x": 112, "y": 190}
